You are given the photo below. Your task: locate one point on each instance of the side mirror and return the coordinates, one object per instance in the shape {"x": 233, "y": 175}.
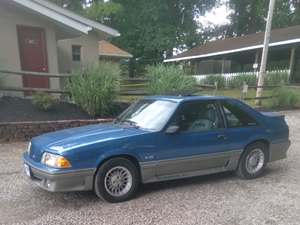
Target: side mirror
{"x": 172, "y": 129}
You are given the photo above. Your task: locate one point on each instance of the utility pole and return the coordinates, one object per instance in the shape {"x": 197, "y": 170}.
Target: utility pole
{"x": 264, "y": 58}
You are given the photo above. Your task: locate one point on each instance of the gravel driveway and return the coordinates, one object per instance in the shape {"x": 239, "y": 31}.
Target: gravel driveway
{"x": 216, "y": 199}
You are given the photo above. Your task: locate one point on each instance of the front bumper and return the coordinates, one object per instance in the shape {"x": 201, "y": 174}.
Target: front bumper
{"x": 59, "y": 180}
{"x": 279, "y": 150}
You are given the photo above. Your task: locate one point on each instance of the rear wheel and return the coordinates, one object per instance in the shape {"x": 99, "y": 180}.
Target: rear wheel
{"x": 116, "y": 180}
{"x": 253, "y": 161}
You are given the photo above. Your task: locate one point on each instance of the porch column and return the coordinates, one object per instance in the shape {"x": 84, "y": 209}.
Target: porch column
{"x": 256, "y": 61}
{"x": 223, "y": 66}
{"x": 195, "y": 68}
{"x": 292, "y": 62}
{"x": 256, "y": 56}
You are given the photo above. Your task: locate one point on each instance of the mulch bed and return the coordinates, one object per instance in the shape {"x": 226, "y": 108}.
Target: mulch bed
{"x": 14, "y": 109}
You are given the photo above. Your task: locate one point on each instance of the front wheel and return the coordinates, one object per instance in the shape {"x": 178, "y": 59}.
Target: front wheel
{"x": 116, "y": 180}
{"x": 253, "y": 161}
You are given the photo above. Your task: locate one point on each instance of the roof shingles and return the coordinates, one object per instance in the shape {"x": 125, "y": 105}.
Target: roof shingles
{"x": 243, "y": 43}
{"x": 110, "y": 50}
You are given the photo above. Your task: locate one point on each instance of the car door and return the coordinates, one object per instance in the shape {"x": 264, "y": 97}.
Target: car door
{"x": 200, "y": 143}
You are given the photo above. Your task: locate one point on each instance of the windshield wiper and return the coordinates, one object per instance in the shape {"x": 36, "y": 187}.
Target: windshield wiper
{"x": 116, "y": 120}
{"x": 131, "y": 123}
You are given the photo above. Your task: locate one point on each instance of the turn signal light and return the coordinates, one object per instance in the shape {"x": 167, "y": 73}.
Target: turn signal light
{"x": 56, "y": 161}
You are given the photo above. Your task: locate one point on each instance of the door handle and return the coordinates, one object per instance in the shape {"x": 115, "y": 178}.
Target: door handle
{"x": 222, "y": 137}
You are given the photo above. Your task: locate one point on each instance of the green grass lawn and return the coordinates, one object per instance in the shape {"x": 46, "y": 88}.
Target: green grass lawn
{"x": 235, "y": 93}
{"x": 129, "y": 98}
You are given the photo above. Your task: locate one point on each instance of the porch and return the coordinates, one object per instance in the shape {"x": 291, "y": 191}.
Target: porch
{"x": 243, "y": 54}
{"x": 281, "y": 60}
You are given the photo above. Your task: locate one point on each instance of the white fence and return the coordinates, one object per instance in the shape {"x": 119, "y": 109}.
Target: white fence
{"x": 229, "y": 76}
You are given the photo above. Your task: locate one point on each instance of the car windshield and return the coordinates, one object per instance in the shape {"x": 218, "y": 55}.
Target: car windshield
{"x": 148, "y": 114}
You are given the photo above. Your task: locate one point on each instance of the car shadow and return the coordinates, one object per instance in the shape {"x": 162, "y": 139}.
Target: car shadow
{"x": 200, "y": 180}
{"x": 184, "y": 182}
{"x": 78, "y": 199}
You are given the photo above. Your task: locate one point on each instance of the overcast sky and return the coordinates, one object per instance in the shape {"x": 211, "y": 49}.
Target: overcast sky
{"x": 217, "y": 16}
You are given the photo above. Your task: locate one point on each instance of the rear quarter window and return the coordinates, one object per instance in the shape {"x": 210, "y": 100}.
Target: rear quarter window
{"x": 237, "y": 117}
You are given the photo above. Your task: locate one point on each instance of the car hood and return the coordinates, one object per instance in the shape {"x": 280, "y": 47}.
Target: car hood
{"x": 68, "y": 139}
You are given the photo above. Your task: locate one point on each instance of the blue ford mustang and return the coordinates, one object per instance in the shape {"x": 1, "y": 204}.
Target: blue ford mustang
{"x": 156, "y": 139}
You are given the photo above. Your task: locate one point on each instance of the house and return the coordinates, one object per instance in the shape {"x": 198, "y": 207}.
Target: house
{"x": 39, "y": 36}
{"x": 77, "y": 53}
{"x": 112, "y": 53}
{"x": 242, "y": 54}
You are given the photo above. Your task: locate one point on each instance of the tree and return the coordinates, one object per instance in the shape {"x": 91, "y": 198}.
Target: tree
{"x": 249, "y": 15}
{"x": 103, "y": 11}
{"x": 98, "y": 10}
{"x": 73, "y": 5}
{"x": 295, "y": 16}
{"x": 152, "y": 29}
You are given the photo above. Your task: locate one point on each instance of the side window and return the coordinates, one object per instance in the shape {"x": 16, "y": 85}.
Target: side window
{"x": 236, "y": 117}
{"x": 198, "y": 116}
{"x": 76, "y": 53}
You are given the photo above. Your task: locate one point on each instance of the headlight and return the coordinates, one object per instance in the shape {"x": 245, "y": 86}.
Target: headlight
{"x": 28, "y": 148}
{"x": 55, "y": 161}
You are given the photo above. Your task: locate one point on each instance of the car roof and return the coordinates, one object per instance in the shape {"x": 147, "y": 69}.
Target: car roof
{"x": 180, "y": 98}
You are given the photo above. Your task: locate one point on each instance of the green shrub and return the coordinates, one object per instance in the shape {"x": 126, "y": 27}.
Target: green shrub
{"x": 95, "y": 88}
{"x": 277, "y": 78}
{"x": 169, "y": 80}
{"x": 124, "y": 68}
{"x": 43, "y": 101}
{"x": 211, "y": 79}
{"x": 285, "y": 98}
{"x": 272, "y": 78}
{"x": 238, "y": 80}
{"x": 1, "y": 79}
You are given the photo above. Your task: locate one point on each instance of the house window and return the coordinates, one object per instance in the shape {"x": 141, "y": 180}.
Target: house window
{"x": 76, "y": 53}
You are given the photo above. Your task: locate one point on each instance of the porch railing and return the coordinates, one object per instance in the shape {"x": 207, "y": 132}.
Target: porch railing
{"x": 230, "y": 76}
{"x": 129, "y": 87}
{"x": 134, "y": 87}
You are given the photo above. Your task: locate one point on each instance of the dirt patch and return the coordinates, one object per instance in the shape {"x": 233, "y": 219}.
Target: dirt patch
{"x": 14, "y": 109}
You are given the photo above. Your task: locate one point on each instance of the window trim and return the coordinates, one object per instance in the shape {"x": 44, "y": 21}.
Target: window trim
{"x": 80, "y": 53}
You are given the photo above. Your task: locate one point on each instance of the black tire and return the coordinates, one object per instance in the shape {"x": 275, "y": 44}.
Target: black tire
{"x": 242, "y": 170}
{"x": 101, "y": 189}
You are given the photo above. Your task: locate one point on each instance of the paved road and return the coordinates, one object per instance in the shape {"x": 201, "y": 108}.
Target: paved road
{"x": 217, "y": 199}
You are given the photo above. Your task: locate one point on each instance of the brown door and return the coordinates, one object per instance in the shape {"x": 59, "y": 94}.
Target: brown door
{"x": 33, "y": 55}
